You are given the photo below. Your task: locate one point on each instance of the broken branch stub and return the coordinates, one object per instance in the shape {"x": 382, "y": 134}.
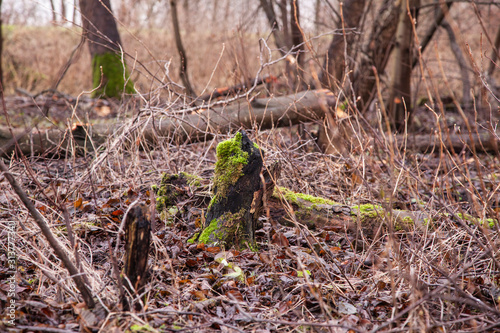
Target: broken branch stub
{"x": 230, "y": 220}
{"x": 138, "y": 236}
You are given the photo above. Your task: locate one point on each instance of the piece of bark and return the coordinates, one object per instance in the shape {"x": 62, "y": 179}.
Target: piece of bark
{"x": 137, "y": 239}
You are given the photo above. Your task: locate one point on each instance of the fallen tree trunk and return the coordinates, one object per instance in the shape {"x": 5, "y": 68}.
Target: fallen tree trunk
{"x": 263, "y": 113}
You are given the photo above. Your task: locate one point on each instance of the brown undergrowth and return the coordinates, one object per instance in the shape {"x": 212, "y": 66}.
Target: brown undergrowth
{"x": 443, "y": 276}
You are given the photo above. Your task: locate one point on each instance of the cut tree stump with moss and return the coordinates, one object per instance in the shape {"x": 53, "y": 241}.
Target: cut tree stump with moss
{"x": 239, "y": 192}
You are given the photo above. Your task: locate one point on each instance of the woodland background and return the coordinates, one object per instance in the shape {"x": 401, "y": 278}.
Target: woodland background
{"x": 353, "y": 268}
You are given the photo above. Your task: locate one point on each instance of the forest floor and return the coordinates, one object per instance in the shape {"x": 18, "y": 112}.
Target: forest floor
{"x": 440, "y": 276}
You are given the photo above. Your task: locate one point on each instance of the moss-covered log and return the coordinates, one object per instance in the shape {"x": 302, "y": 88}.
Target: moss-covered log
{"x": 231, "y": 219}
{"x": 316, "y": 212}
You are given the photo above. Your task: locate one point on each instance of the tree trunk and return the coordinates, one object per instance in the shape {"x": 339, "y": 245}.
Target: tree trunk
{"x": 342, "y": 45}
{"x": 462, "y": 63}
{"x": 54, "y": 14}
{"x": 180, "y": 48}
{"x": 267, "y": 6}
{"x": 494, "y": 53}
{"x": 399, "y": 104}
{"x": 331, "y": 135}
{"x": 265, "y": 112}
{"x": 376, "y": 52}
{"x": 109, "y": 72}
{"x": 439, "y": 17}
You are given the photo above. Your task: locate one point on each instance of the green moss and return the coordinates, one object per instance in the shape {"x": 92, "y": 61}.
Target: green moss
{"x": 205, "y": 235}
{"x": 367, "y": 210}
{"x": 293, "y": 197}
{"x": 192, "y": 180}
{"x": 194, "y": 238}
{"x": 225, "y": 230}
{"x": 488, "y": 222}
{"x": 230, "y": 162}
{"x": 408, "y": 220}
{"x": 112, "y": 82}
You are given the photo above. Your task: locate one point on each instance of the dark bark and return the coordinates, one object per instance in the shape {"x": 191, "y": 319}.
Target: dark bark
{"x": 180, "y": 49}
{"x": 231, "y": 218}
{"x": 99, "y": 28}
{"x": 137, "y": 239}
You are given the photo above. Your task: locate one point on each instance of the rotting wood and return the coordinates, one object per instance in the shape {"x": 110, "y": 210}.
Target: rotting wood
{"x": 232, "y": 214}
{"x": 137, "y": 240}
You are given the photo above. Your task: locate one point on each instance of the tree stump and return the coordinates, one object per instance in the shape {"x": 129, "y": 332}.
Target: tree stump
{"x": 137, "y": 239}
{"x": 232, "y": 215}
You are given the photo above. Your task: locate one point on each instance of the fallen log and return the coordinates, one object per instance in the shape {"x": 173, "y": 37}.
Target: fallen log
{"x": 265, "y": 113}
{"x": 261, "y": 113}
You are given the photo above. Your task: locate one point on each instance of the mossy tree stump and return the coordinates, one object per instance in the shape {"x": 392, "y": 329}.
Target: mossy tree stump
{"x": 232, "y": 217}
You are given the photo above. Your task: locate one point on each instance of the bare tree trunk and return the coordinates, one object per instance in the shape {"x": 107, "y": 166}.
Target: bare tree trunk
{"x": 400, "y": 90}
{"x": 180, "y": 48}
{"x": 376, "y": 52}
{"x": 267, "y": 6}
{"x": 75, "y": 3}
{"x": 287, "y": 38}
{"x": 462, "y": 63}
{"x": 341, "y": 45}
{"x": 494, "y": 53}
{"x": 297, "y": 38}
{"x": 63, "y": 11}
{"x": 108, "y": 69}
{"x": 54, "y": 14}
{"x": 439, "y": 17}
{"x": 330, "y": 139}
{"x": 317, "y": 16}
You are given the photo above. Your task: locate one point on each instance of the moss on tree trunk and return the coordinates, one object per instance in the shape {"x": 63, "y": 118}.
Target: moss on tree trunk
{"x": 113, "y": 80}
